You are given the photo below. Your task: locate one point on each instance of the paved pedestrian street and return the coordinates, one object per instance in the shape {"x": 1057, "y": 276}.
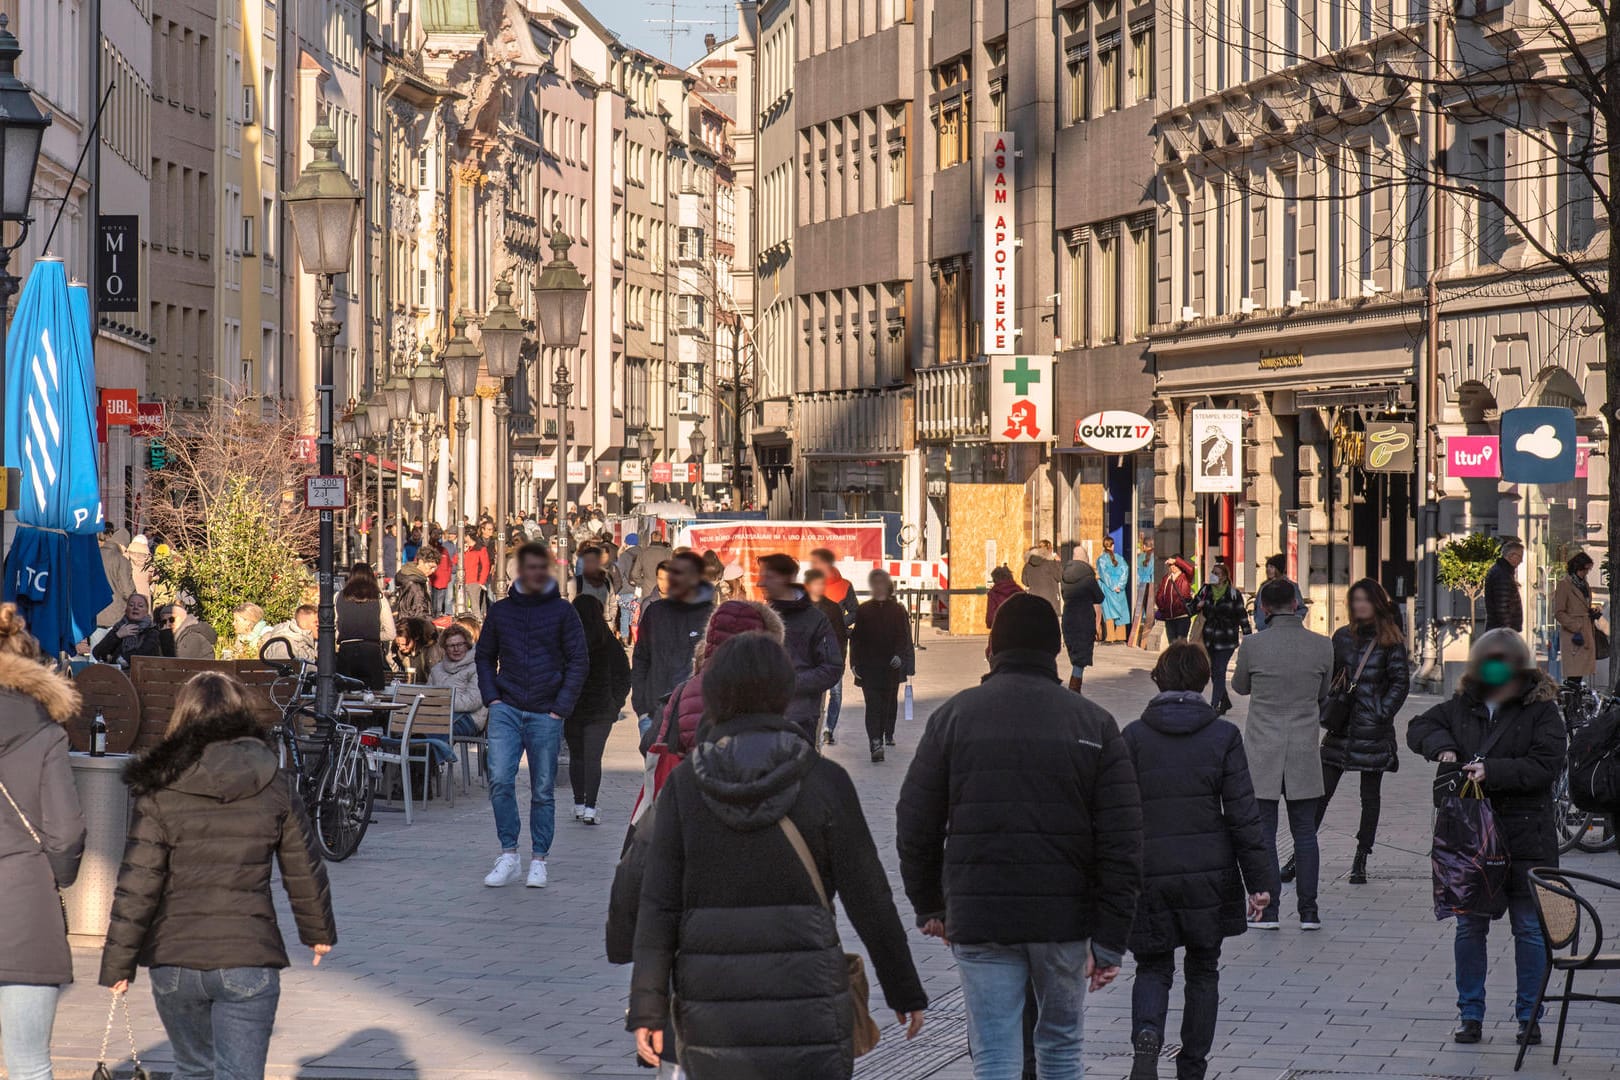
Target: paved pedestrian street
{"x": 436, "y": 977}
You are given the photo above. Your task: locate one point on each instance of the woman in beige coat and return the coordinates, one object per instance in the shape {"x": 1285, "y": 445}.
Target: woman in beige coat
{"x": 1576, "y": 616}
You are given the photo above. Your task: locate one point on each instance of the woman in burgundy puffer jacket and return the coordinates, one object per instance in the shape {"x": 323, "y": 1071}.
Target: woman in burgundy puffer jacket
{"x": 684, "y": 714}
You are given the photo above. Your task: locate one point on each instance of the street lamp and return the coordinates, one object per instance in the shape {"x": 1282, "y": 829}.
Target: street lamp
{"x": 22, "y": 127}
{"x": 324, "y": 207}
{"x": 427, "y": 398}
{"x": 502, "y": 335}
{"x": 461, "y": 360}
{"x": 382, "y": 428}
{"x": 559, "y": 302}
{"x": 698, "y": 443}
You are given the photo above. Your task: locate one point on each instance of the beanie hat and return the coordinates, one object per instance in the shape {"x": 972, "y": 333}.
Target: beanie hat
{"x": 1025, "y": 621}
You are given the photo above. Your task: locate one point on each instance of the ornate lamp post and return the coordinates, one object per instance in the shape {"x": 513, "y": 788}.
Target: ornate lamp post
{"x": 698, "y": 443}
{"x": 324, "y": 207}
{"x": 559, "y": 301}
{"x": 503, "y": 349}
{"x": 362, "y": 438}
{"x": 22, "y": 127}
{"x": 382, "y": 429}
{"x": 427, "y": 398}
{"x": 461, "y": 360}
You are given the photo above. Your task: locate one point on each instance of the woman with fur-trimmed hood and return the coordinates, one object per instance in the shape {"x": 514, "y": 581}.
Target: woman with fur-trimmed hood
{"x": 41, "y": 839}
{"x": 1506, "y": 701}
{"x": 213, "y": 812}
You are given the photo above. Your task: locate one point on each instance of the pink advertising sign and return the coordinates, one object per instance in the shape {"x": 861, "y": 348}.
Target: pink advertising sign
{"x": 1583, "y": 458}
{"x": 1473, "y": 456}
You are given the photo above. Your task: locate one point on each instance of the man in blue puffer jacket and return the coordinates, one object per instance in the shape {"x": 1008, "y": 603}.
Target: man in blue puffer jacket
{"x": 532, "y": 662}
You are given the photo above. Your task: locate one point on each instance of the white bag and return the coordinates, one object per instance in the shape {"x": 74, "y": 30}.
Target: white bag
{"x": 908, "y": 703}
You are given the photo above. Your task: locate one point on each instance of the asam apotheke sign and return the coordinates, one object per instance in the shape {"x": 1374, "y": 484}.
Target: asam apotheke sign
{"x": 1000, "y": 245}
{"x": 1114, "y": 431}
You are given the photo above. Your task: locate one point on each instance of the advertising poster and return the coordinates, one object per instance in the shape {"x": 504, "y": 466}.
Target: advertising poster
{"x": 745, "y": 542}
{"x": 1217, "y": 445}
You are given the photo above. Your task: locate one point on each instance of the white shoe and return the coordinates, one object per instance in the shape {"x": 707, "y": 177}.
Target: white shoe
{"x": 592, "y": 816}
{"x": 1264, "y": 924}
{"x": 537, "y": 874}
{"x": 579, "y": 811}
{"x": 506, "y": 871}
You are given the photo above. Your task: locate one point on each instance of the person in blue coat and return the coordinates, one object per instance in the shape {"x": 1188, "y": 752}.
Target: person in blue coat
{"x": 1114, "y": 575}
{"x": 532, "y": 663}
{"x": 1206, "y": 863}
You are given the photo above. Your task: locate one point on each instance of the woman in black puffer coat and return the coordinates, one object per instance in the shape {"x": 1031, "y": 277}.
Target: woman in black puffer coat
{"x": 729, "y": 914}
{"x": 1082, "y": 596}
{"x": 1368, "y": 746}
{"x": 1206, "y": 864}
{"x": 1226, "y": 620}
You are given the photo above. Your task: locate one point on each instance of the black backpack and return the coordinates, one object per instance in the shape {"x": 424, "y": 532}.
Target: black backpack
{"x": 1594, "y": 764}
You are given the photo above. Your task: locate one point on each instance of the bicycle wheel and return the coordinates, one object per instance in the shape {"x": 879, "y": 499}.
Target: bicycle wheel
{"x": 343, "y": 811}
{"x": 1599, "y": 835}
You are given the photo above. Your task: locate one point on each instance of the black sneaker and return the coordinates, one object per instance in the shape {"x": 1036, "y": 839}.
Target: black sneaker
{"x": 1468, "y": 1031}
{"x": 888, "y": 740}
{"x": 1529, "y": 1033}
{"x": 829, "y": 739}
{"x": 1358, "y": 868}
{"x": 1290, "y": 870}
{"x": 1145, "y": 1065}
{"x": 877, "y": 751}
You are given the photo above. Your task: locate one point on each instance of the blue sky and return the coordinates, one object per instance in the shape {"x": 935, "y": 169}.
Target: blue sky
{"x": 629, "y": 19}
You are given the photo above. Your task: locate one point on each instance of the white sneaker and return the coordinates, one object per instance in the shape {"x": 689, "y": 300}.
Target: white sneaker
{"x": 592, "y": 816}
{"x": 1264, "y": 924}
{"x": 537, "y": 874}
{"x": 506, "y": 871}
{"x": 579, "y": 811}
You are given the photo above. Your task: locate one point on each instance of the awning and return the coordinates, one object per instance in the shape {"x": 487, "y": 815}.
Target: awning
{"x": 388, "y": 466}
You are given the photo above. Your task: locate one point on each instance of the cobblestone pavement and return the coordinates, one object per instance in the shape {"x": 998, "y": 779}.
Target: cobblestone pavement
{"x": 438, "y": 978}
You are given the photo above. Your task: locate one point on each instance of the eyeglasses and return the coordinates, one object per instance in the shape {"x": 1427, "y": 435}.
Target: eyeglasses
{"x": 171, "y": 622}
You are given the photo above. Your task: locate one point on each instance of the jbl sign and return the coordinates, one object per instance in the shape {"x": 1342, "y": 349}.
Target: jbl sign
{"x": 118, "y": 262}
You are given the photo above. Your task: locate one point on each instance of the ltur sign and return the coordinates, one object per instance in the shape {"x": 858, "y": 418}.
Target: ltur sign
{"x": 1000, "y": 245}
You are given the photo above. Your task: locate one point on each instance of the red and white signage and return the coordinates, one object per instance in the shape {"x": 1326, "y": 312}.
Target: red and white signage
{"x": 1114, "y": 431}
{"x": 1000, "y": 245}
{"x": 306, "y": 450}
{"x": 662, "y": 472}
{"x": 149, "y": 420}
{"x": 118, "y": 407}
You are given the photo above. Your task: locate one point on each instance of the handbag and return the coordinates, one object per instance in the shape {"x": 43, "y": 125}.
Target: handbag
{"x": 103, "y": 1070}
{"x": 1340, "y": 703}
{"x": 1470, "y": 857}
{"x": 1600, "y": 643}
{"x": 866, "y": 1030}
{"x": 1195, "y": 632}
{"x": 34, "y": 833}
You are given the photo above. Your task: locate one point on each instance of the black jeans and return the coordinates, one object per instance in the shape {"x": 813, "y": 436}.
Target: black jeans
{"x": 1307, "y": 857}
{"x": 1176, "y": 629}
{"x": 1201, "y": 1002}
{"x": 1219, "y": 659}
{"x": 1372, "y": 800}
{"x": 585, "y": 748}
{"x": 882, "y": 707}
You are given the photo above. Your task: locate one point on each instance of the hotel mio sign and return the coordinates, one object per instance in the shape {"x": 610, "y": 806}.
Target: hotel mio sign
{"x": 1000, "y": 245}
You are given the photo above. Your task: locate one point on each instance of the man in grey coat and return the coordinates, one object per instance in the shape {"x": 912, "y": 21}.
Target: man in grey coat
{"x": 1287, "y": 672}
{"x": 1043, "y": 574}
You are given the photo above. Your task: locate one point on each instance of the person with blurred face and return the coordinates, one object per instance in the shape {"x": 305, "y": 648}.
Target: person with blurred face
{"x": 669, "y": 630}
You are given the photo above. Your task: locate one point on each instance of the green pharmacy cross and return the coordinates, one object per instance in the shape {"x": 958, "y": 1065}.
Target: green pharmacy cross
{"x": 1021, "y": 375}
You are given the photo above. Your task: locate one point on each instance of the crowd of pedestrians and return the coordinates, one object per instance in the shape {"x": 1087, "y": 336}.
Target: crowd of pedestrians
{"x": 1050, "y": 845}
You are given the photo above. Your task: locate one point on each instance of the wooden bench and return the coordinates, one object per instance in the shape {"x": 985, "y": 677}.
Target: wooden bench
{"x": 158, "y": 679}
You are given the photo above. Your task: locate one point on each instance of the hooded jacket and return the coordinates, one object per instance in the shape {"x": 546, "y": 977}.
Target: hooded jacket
{"x": 1172, "y": 597}
{"x": 34, "y": 704}
{"x": 1033, "y": 785}
{"x": 684, "y": 714}
{"x": 1369, "y": 743}
{"x": 999, "y": 593}
{"x": 413, "y": 593}
{"x": 1527, "y": 759}
{"x": 1043, "y": 575}
{"x": 1203, "y": 848}
{"x": 668, "y": 632}
{"x": 1081, "y": 595}
{"x": 532, "y": 653}
{"x": 299, "y": 643}
{"x": 212, "y": 812}
{"x": 818, "y": 659}
{"x": 730, "y": 924}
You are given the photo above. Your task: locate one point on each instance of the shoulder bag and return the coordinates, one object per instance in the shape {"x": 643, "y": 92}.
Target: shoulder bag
{"x": 105, "y": 1071}
{"x": 34, "y": 833}
{"x": 1451, "y": 782}
{"x": 1341, "y": 700}
{"x": 866, "y": 1030}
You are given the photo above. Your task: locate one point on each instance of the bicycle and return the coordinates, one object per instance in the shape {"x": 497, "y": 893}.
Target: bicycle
{"x": 335, "y": 773}
{"x": 1580, "y": 706}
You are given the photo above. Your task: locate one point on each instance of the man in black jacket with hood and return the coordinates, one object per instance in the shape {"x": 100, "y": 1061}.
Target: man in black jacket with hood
{"x": 669, "y": 629}
{"x": 818, "y": 658}
{"x": 1035, "y": 788}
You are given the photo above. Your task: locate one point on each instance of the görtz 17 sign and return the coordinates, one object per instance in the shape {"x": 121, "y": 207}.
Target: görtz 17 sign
{"x": 1000, "y": 245}
{"x": 1114, "y": 431}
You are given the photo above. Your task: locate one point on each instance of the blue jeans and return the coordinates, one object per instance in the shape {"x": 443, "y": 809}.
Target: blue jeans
{"x": 1529, "y": 958}
{"x": 627, "y": 613}
{"x": 441, "y": 601}
{"x": 464, "y": 724}
{"x": 993, "y": 981}
{"x": 835, "y": 705}
{"x": 27, "y": 1014}
{"x": 1307, "y": 855}
{"x": 219, "y": 1021}
{"x": 513, "y": 733}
